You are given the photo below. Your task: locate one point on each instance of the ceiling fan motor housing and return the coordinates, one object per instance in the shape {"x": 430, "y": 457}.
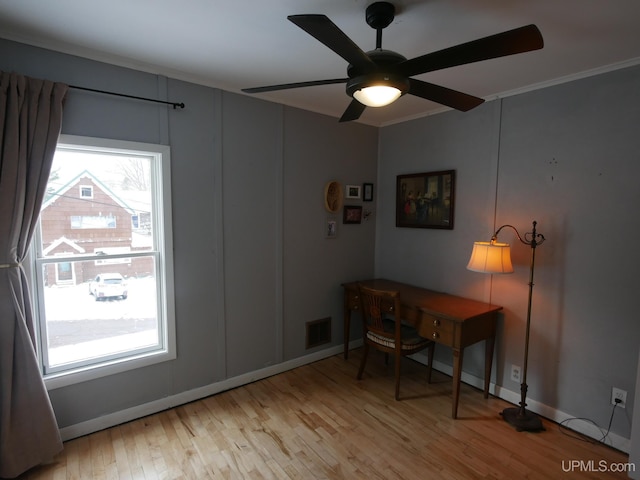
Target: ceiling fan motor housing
{"x": 382, "y": 74}
{"x": 372, "y": 79}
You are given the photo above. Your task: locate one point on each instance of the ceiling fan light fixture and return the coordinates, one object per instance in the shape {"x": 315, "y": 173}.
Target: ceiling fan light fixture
{"x": 377, "y": 95}
{"x": 377, "y": 90}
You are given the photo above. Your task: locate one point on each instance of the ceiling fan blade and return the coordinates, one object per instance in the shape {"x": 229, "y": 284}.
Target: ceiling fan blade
{"x": 325, "y": 31}
{"x": 353, "y": 111}
{"x": 445, "y": 96}
{"x": 285, "y": 86}
{"x": 518, "y": 40}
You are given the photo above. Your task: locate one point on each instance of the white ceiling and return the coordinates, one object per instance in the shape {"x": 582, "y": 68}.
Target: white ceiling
{"x": 237, "y": 44}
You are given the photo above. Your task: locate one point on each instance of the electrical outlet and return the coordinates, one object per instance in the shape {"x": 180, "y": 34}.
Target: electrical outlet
{"x": 515, "y": 373}
{"x": 618, "y": 394}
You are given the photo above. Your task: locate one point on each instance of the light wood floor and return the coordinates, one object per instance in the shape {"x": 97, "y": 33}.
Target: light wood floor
{"x": 319, "y": 422}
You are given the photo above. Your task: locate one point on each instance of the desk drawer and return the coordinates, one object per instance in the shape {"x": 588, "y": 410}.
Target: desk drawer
{"x": 436, "y": 329}
{"x": 353, "y": 301}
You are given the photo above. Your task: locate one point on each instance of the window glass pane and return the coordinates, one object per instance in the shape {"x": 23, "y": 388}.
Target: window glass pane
{"x": 102, "y": 317}
{"x": 121, "y": 190}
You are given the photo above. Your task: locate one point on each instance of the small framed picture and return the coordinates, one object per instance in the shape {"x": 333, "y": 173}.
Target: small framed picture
{"x": 353, "y": 191}
{"x": 367, "y": 192}
{"x": 331, "y": 228}
{"x": 352, "y": 214}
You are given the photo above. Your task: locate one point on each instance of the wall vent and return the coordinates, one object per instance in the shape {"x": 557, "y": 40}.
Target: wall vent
{"x": 318, "y": 332}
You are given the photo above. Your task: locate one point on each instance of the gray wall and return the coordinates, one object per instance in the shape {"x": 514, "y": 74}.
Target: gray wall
{"x": 568, "y": 157}
{"x": 252, "y": 265}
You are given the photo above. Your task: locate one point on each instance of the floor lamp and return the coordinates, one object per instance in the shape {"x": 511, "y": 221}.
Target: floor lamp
{"x": 494, "y": 257}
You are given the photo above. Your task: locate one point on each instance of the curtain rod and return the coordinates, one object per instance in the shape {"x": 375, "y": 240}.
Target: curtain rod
{"x": 173, "y": 104}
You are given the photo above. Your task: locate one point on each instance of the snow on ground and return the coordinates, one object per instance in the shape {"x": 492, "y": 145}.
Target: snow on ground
{"x": 80, "y": 328}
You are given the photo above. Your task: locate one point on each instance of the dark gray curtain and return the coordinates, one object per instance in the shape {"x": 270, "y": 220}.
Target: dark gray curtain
{"x": 30, "y": 121}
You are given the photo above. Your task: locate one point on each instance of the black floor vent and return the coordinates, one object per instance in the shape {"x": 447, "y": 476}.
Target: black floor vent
{"x": 318, "y": 332}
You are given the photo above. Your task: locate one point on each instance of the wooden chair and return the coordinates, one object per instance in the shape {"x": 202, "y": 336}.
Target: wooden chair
{"x": 387, "y": 334}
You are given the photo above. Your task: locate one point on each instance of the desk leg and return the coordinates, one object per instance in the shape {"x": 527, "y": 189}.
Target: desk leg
{"x": 457, "y": 374}
{"x": 488, "y": 360}
{"x": 347, "y": 328}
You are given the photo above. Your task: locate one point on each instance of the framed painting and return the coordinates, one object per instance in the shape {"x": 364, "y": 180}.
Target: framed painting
{"x": 331, "y": 228}
{"x": 367, "y": 192}
{"x": 352, "y": 191}
{"x": 426, "y": 200}
{"x": 352, "y": 214}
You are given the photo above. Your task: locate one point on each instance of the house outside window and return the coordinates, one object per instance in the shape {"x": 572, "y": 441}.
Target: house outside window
{"x": 104, "y": 285}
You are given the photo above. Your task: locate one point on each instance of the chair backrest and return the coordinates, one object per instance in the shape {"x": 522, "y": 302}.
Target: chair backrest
{"x": 376, "y": 305}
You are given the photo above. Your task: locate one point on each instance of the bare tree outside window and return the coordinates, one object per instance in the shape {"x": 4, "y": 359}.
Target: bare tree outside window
{"x": 135, "y": 174}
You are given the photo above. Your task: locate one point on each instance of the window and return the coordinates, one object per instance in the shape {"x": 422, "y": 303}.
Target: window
{"x": 86, "y": 191}
{"x": 103, "y": 282}
{"x": 86, "y": 221}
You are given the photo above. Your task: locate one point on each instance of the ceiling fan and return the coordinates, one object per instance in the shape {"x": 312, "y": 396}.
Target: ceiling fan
{"x": 380, "y": 77}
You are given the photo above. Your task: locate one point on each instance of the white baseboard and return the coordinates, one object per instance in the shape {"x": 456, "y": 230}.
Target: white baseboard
{"x": 139, "y": 411}
{"x": 584, "y": 427}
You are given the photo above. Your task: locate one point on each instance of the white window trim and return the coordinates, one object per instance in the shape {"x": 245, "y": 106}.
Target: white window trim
{"x": 164, "y": 245}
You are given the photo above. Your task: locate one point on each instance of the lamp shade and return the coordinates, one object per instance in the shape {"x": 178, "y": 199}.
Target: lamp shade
{"x": 377, "y": 95}
{"x": 490, "y": 257}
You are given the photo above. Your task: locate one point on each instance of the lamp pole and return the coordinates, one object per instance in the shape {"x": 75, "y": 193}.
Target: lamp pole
{"x": 520, "y": 417}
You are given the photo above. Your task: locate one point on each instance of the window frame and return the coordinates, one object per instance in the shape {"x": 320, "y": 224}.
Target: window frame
{"x": 83, "y": 187}
{"x": 162, "y": 250}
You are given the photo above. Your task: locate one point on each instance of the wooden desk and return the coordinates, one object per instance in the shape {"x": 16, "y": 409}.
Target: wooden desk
{"x": 449, "y": 320}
